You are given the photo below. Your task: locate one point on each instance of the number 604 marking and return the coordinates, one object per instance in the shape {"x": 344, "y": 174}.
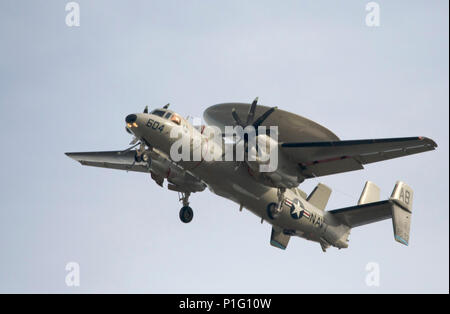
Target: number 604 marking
{"x": 155, "y": 125}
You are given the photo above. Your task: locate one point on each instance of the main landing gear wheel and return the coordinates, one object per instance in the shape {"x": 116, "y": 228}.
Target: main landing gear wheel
{"x": 146, "y": 158}
{"x": 273, "y": 211}
{"x": 186, "y": 214}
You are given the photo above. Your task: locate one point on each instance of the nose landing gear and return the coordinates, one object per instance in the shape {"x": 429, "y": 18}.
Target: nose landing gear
{"x": 186, "y": 213}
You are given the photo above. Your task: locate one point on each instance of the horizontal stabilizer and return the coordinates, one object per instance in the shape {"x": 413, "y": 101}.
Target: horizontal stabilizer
{"x": 279, "y": 239}
{"x": 319, "y": 196}
{"x": 364, "y": 214}
{"x": 398, "y": 207}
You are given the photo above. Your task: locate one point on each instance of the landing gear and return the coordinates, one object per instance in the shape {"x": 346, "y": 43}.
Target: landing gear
{"x": 280, "y": 194}
{"x": 272, "y": 211}
{"x": 146, "y": 158}
{"x": 143, "y": 155}
{"x": 186, "y": 213}
{"x": 137, "y": 157}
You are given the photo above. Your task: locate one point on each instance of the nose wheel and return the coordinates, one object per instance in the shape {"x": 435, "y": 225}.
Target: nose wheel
{"x": 186, "y": 213}
{"x": 143, "y": 155}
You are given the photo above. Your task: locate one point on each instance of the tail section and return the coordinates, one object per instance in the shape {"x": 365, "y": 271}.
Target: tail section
{"x": 370, "y": 194}
{"x": 370, "y": 209}
{"x": 402, "y": 199}
{"x": 319, "y": 196}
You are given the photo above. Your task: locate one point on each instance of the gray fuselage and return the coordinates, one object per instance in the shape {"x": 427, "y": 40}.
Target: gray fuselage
{"x": 233, "y": 181}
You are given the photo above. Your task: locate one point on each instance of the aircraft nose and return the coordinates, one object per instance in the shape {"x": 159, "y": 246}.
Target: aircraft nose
{"x": 131, "y": 118}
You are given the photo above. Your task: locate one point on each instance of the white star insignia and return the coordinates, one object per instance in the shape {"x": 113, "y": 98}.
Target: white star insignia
{"x": 297, "y": 211}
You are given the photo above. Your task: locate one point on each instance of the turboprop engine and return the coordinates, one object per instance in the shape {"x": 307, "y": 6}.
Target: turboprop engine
{"x": 269, "y": 166}
{"x": 261, "y": 151}
{"x": 178, "y": 180}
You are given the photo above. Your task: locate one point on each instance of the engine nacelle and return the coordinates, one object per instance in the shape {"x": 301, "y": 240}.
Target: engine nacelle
{"x": 161, "y": 168}
{"x": 269, "y": 166}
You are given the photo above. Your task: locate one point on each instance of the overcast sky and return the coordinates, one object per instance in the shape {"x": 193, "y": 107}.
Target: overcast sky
{"x": 69, "y": 88}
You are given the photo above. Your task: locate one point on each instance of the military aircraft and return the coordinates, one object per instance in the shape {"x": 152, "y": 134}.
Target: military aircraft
{"x": 304, "y": 150}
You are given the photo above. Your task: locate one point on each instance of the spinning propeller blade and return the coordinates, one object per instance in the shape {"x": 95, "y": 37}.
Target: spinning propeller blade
{"x": 236, "y": 117}
{"x": 134, "y": 141}
{"x": 251, "y": 115}
{"x": 249, "y": 121}
{"x": 251, "y": 112}
{"x": 263, "y": 117}
{"x": 128, "y": 149}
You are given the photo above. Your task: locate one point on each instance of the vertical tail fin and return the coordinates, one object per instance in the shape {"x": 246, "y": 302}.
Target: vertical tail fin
{"x": 370, "y": 194}
{"x": 402, "y": 199}
{"x": 319, "y": 196}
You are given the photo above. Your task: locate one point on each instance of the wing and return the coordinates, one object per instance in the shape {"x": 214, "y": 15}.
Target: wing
{"x": 360, "y": 215}
{"x": 324, "y": 158}
{"x": 160, "y": 168}
{"x": 112, "y": 160}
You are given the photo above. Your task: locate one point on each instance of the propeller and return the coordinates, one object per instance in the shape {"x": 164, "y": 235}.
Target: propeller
{"x": 250, "y": 120}
{"x": 251, "y": 111}
{"x": 251, "y": 116}
{"x": 134, "y": 141}
{"x": 128, "y": 149}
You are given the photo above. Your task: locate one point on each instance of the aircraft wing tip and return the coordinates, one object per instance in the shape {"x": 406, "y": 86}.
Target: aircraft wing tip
{"x": 429, "y": 140}
{"x": 73, "y": 156}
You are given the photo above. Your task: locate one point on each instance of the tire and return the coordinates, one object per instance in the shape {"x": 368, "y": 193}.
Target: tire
{"x": 137, "y": 158}
{"x": 186, "y": 214}
{"x": 272, "y": 211}
{"x": 146, "y": 158}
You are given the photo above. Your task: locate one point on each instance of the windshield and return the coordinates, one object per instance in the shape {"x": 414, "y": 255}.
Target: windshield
{"x": 158, "y": 112}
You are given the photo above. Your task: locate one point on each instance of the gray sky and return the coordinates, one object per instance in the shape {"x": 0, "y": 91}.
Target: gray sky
{"x": 69, "y": 89}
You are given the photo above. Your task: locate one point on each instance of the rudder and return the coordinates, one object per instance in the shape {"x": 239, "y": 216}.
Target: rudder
{"x": 402, "y": 199}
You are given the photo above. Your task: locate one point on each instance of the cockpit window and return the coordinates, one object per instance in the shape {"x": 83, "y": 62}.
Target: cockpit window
{"x": 158, "y": 112}
{"x": 167, "y": 116}
{"x": 176, "y": 119}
